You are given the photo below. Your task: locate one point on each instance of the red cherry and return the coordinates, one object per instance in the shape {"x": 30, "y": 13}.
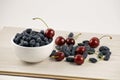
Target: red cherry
{"x": 94, "y": 42}
{"x": 80, "y": 50}
{"x": 59, "y": 41}
{"x": 78, "y": 59}
{"x": 59, "y": 56}
{"x": 70, "y": 41}
{"x": 49, "y": 33}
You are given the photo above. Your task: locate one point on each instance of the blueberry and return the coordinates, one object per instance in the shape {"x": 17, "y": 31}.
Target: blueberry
{"x": 70, "y": 34}
{"x": 42, "y": 43}
{"x": 92, "y": 60}
{"x": 34, "y": 33}
{"x": 16, "y": 40}
{"x": 70, "y": 59}
{"x": 29, "y": 30}
{"x": 42, "y": 31}
{"x": 107, "y": 57}
{"x": 100, "y": 55}
{"x": 80, "y": 44}
{"x": 41, "y": 36}
{"x": 18, "y": 34}
{"x": 24, "y": 33}
{"x": 73, "y": 50}
{"x": 52, "y": 53}
{"x": 37, "y": 45}
{"x": 85, "y": 54}
{"x": 105, "y": 52}
{"x": 87, "y": 47}
{"x": 70, "y": 47}
{"x": 64, "y": 47}
{"x": 34, "y": 37}
{"x": 86, "y": 42}
{"x": 38, "y": 40}
{"x": 69, "y": 51}
{"x": 66, "y": 53}
{"x": 24, "y": 37}
{"x": 32, "y": 43}
{"x": 104, "y": 48}
{"x": 23, "y": 43}
{"x": 58, "y": 48}
{"x": 45, "y": 39}
{"x": 46, "y": 42}
{"x": 91, "y": 51}
{"x": 50, "y": 40}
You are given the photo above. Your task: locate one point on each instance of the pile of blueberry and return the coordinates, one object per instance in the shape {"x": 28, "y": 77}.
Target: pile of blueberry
{"x": 31, "y": 38}
{"x": 104, "y": 53}
{"x": 66, "y": 48}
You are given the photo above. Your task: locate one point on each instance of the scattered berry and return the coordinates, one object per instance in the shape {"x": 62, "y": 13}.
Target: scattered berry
{"x": 78, "y": 59}
{"x": 80, "y": 50}
{"x": 59, "y": 56}
{"x": 59, "y": 41}
{"x": 70, "y": 59}
{"x": 70, "y": 41}
{"x": 92, "y": 60}
{"x": 91, "y": 51}
{"x": 85, "y": 54}
{"x": 53, "y": 53}
{"x": 104, "y": 48}
{"x": 86, "y": 42}
{"x": 94, "y": 42}
{"x": 71, "y": 34}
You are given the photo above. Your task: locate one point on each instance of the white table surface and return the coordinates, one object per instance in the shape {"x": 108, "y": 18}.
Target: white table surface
{"x": 98, "y": 16}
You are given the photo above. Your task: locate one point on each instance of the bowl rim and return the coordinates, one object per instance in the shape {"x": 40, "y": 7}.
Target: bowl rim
{"x": 31, "y": 47}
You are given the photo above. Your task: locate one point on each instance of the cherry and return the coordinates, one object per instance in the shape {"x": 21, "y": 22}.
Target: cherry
{"x": 78, "y": 59}
{"x": 70, "y": 41}
{"x": 94, "y": 41}
{"x": 60, "y": 41}
{"x": 59, "y": 56}
{"x": 49, "y": 33}
{"x": 80, "y": 50}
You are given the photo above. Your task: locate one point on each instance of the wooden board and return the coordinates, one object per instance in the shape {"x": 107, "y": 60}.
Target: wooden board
{"x": 11, "y": 65}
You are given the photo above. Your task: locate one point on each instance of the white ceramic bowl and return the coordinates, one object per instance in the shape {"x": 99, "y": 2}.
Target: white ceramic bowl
{"x": 33, "y": 54}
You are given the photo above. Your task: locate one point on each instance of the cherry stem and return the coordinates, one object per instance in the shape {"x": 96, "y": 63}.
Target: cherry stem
{"x": 54, "y": 57}
{"x": 105, "y": 36}
{"x": 42, "y": 21}
{"x": 76, "y": 36}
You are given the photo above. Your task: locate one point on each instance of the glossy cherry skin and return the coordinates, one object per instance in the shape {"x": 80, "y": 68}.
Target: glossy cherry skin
{"x": 80, "y": 50}
{"x": 78, "y": 59}
{"x": 94, "y": 42}
{"x": 59, "y": 56}
{"x": 49, "y": 33}
{"x": 70, "y": 41}
{"x": 60, "y": 41}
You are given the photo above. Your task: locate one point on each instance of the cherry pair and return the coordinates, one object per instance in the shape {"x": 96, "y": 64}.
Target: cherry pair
{"x": 69, "y": 41}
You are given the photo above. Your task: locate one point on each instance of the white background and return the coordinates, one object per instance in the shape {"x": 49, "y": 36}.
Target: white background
{"x": 98, "y": 16}
{"x": 101, "y": 16}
